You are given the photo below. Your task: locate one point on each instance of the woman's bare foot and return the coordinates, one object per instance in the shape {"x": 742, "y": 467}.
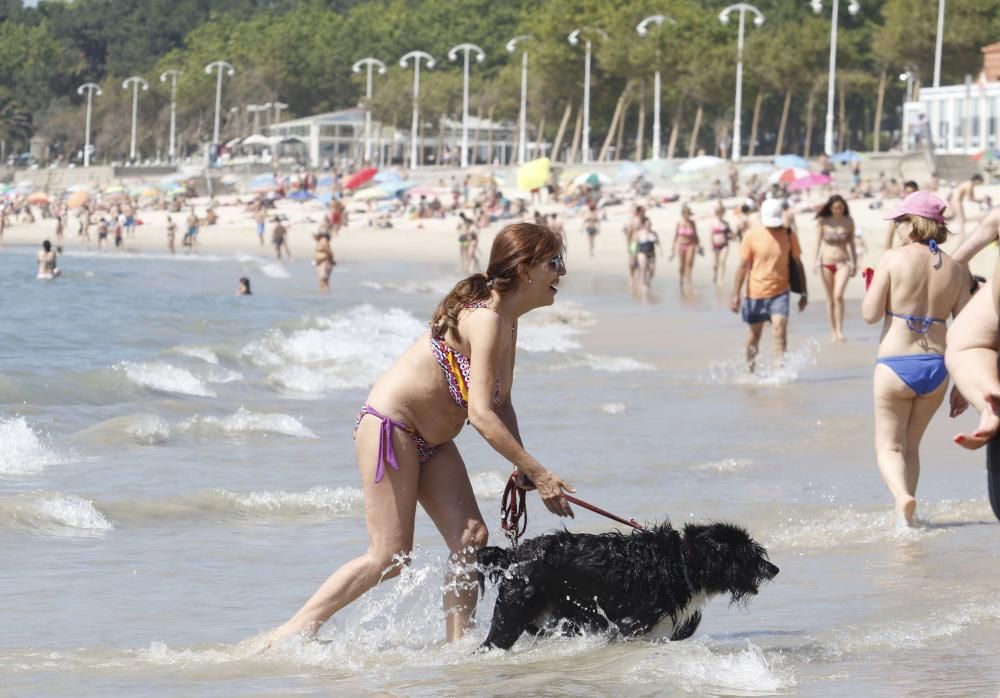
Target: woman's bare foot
{"x": 905, "y": 509}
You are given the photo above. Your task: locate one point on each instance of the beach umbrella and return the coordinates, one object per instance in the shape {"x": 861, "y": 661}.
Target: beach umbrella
{"x": 809, "y": 181}
{"x": 757, "y": 168}
{"x": 114, "y": 189}
{"x": 77, "y": 199}
{"x": 534, "y": 174}
{"x": 381, "y": 177}
{"x": 371, "y": 193}
{"x": 786, "y": 161}
{"x": 149, "y": 191}
{"x": 687, "y": 177}
{"x": 990, "y": 155}
{"x": 662, "y": 168}
{"x": 788, "y": 175}
{"x": 78, "y": 187}
{"x": 845, "y": 156}
{"x": 24, "y": 185}
{"x": 325, "y": 181}
{"x": 569, "y": 175}
{"x": 38, "y": 198}
{"x": 702, "y": 163}
{"x": 360, "y": 177}
{"x": 593, "y": 179}
{"x": 301, "y": 195}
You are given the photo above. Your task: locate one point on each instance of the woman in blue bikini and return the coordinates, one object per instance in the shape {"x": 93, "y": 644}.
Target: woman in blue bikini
{"x": 459, "y": 372}
{"x": 914, "y": 289}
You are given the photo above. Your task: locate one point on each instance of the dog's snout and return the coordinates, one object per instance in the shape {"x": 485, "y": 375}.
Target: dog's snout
{"x": 770, "y": 570}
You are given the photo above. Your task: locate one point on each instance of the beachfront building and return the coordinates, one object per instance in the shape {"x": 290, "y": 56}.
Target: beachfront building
{"x": 338, "y": 138}
{"x": 957, "y": 119}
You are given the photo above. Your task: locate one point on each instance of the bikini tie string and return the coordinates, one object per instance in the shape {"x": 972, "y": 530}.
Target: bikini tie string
{"x": 514, "y": 512}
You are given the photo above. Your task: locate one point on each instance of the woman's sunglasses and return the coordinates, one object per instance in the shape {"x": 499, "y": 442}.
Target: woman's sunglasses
{"x": 557, "y": 263}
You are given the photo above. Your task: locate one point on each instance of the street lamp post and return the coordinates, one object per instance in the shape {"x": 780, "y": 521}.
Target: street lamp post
{"x": 643, "y": 28}
{"x": 416, "y": 57}
{"x": 173, "y": 74}
{"x": 853, "y": 8}
{"x": 522, "y": 119}
{"x": 369, "y": 63}
{"x": 220, "y": 66}
{"x": 480, "y": 57}
{"x": 136, "y": 82}
{"x": 937, "y": 45}
{"x": 574, "y": 38}
{"x": 90, "y": 88}
{"x": 758, "y": 20}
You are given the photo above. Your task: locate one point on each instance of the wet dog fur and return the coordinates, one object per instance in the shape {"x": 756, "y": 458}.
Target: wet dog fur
{"x": 625, "y": 584}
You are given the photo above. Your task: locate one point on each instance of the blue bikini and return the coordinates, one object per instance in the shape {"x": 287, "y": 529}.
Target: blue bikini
{"x": 922, "y": 373}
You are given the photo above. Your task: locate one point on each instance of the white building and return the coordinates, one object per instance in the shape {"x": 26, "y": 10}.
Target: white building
{"x": 959, "y": 119}
{"x": 340, "y": 137}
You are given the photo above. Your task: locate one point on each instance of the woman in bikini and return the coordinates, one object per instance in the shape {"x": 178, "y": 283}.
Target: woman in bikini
{"x": 323, "y": 256}
{"x": 460, "y": 371}
{"x": 686, "y": 244}
{"x": 646, "y": 242}
{"x": 721, "y": 235}
{"x": 913, "y": 290}
{"x": 836, "y": 258}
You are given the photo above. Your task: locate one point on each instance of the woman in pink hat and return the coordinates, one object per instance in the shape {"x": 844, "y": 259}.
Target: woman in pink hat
{"x": 913, "y": 290}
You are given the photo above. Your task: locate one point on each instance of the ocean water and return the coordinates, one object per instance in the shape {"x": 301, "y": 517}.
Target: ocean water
{"x": 177, "y": 476}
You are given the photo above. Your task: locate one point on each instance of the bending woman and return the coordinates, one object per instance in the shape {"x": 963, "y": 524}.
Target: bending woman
{"x": 914, "y": 289}
{"x": 404, "y": 439}
{"x": 836, "y": 258}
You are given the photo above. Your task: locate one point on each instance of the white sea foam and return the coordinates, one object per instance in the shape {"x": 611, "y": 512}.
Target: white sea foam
{"x": 613, "y": 408}
{"x": 339, "y": 500}
{"x": 165, "y": 378}
{"x": 203, "y": 353}
{"x": 274, "y": 270}
{"x": 437, "y": 287}
{"x": 146, "y": 429}
{"x": 223, "y": 375}
{"x": 349, "y": 349}
{"x": 53, "y": 512}
{"x": 243, "y": 422}
{"x": 734, "y": 371}
{"x": 695, "y": 667}
{"x": 826, "y": 527}
{"x": 21, "y": 450}
{"x": 489, "y": 484}
{"x": 609, "y": 364}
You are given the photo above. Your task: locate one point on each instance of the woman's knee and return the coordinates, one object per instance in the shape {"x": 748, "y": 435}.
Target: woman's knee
{"x": 387, "y": 564}
{"x": 474, "y": 536}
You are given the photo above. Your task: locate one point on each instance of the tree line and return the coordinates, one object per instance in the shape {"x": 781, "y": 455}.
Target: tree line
{"x": 301, "y": 52}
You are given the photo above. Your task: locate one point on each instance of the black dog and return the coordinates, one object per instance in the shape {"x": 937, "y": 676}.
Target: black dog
{"x": 620, "y": 583}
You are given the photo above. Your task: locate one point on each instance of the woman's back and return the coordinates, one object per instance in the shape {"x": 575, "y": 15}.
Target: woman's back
{"x": 924, "y": 288}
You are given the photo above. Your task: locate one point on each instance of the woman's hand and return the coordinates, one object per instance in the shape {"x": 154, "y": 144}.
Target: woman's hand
{"x": 958, "y": 403}
{"x": 989, "y": 422}
{"x": 550, "y": 489}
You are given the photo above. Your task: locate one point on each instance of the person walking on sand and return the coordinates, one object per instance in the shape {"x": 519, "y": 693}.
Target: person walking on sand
{"x": 460, "y": 371}
{"x": 836, "y": 258}
{"x": 721, "y": 235}
{"x": 913, "y": 290}
{"x": 171, "y": 234}
{"x": 956, "y": 201}
{"x": 323, "y": 258}
{"x": 766, "y": 253}
{"x": 592, "y": 227}
{"x": 260, "y": 219}
{"x": 279, "y": 238}
{"x": 686, "y": 245}
{"x": 646, "y": 243}
{"x": 631, "y": 230}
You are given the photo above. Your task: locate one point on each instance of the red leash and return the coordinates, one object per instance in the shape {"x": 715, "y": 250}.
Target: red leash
{"x": 514, "y": 513}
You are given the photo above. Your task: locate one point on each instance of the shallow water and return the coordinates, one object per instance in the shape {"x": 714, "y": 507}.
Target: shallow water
{"x": 177, "y": 475}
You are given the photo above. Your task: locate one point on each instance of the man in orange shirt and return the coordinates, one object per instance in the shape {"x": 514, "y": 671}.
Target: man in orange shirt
{"x": 764, "y": 266}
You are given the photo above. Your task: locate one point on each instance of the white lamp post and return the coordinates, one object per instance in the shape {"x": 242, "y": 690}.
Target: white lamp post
{"x": 853, "y": 7}
{"x": 90, "y": 88}
{"x": 369, "y": 63}
{"x": 643, "y": 29}
{"x": 416, "y": 56}
{"x": 758, "y": 20}
{"x": 136, "y": 82}
{"x": 522, "y": 119}
{"x": 574, "y": 38}
{"x": 173, "y": 74}
{"x": 937, "y": 46}
{"x": 480, "y": 57}
{"x": 220, "y": 66}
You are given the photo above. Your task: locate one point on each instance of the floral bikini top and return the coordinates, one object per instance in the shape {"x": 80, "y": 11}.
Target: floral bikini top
{"x": 456, "y": 366}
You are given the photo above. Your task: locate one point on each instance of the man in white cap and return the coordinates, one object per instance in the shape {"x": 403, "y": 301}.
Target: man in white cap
{"x": 766, "y": 255}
